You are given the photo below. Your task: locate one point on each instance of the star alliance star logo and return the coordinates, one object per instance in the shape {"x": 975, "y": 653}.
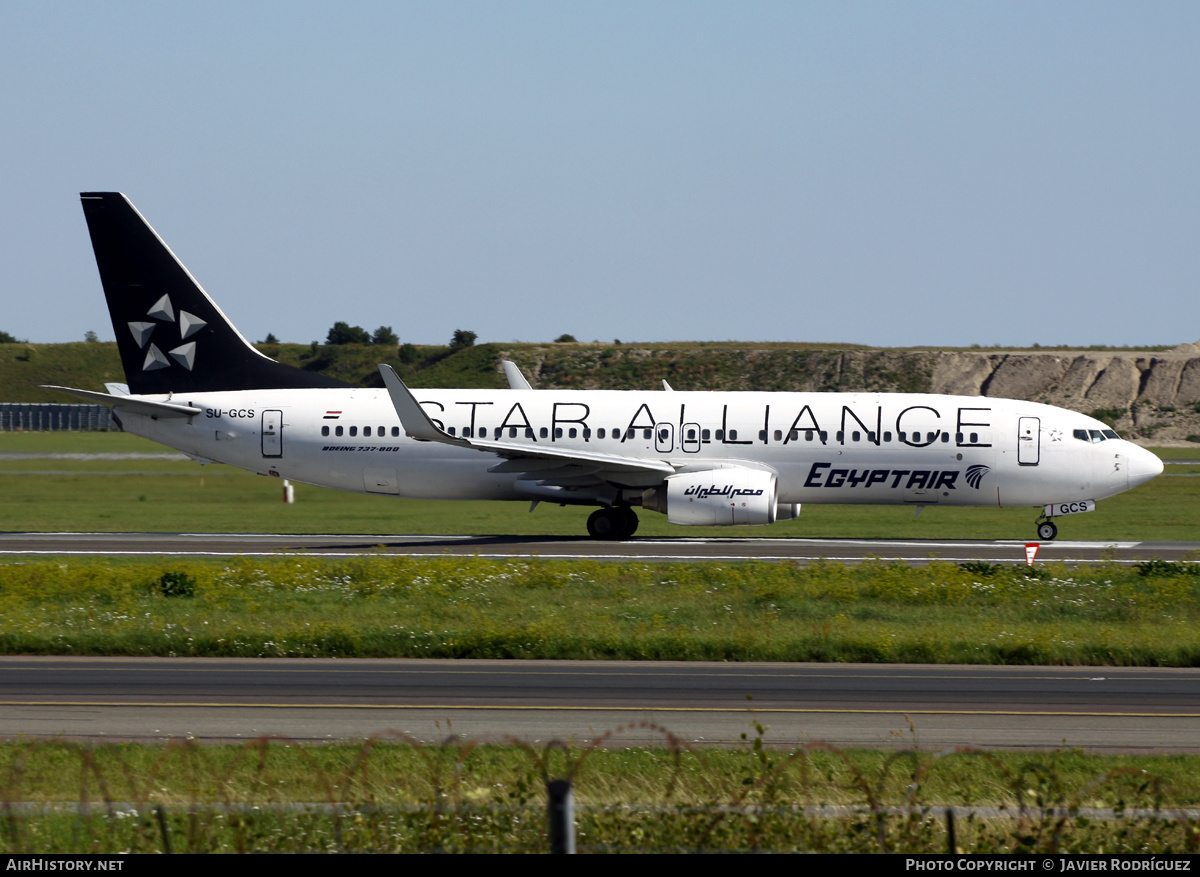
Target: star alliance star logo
{"x": 163, "y": 312}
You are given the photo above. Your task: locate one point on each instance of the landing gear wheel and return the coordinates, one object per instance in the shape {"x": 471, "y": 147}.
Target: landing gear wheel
{"x": 629, "y": 521}
{"x": 612, "y": 524}
{"x": 1047, "y": 531}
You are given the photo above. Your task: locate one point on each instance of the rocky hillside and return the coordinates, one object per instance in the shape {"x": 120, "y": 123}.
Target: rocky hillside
{"x": 1148, "y": 395}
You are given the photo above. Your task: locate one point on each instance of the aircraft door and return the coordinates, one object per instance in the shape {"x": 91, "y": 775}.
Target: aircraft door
{"x": 689, "y": 438}
{"x": 1029, "y": 441}
{"x": 664, "y": 437}
{"x": 272, "y": 433}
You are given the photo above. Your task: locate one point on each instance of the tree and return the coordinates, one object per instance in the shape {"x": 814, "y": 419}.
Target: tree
{"x": 463, "y": 338}
{"x": 385, "y": 335}
{"x": 344, "y": 333}
{"x": 562, "y": 339}
{"x": 90, "y": 337}
{"x": 5, "y": 338}
{"x": 271, "y": 339}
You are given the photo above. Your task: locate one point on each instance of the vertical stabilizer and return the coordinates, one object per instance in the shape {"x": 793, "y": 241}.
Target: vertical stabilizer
{"x": 172, "y": 337}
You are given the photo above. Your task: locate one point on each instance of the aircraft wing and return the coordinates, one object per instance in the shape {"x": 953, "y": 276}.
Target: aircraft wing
{"x": 130, "y": 403}
{"x": 547, "y": 465}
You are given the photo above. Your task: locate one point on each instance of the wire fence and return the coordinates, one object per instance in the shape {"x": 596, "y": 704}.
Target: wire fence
{"x": 43, "y": 417}
{"x": 394, "y": 794}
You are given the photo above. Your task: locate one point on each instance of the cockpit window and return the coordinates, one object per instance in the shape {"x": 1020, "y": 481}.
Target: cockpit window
{"x": 1094, "y": 435}
{"x": 1110, "y": 433}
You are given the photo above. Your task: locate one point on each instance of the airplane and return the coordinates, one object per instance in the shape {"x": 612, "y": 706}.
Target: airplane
{"x": 701, "y": 458}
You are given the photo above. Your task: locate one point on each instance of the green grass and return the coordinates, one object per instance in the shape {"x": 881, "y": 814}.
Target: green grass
{"x": 393, "y": 796}
{"x": 454, "y": 607}
{"x": 182, "y": 496}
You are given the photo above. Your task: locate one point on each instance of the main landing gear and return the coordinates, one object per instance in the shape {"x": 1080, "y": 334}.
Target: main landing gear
{"x": 1046, "y": 530}
{"x": 612, "y": 524}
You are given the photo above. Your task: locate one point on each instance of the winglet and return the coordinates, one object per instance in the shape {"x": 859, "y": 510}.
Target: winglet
{"x": 412, "y": 416}
{"x": 516, "y": 380}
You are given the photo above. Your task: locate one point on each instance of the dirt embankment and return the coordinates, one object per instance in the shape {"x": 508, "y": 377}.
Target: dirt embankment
{"x": 1146, "y": 395}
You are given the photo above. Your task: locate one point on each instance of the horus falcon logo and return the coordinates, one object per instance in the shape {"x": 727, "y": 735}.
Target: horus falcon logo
{"x": 975, "y": 474}
{"x": 184, "y": 354}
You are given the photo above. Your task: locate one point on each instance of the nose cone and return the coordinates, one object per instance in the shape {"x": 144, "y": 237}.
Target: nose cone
{"x": 1143, "y": 466}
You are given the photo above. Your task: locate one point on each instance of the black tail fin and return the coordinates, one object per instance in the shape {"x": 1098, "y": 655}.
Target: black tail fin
{"x": 171, "y": 335}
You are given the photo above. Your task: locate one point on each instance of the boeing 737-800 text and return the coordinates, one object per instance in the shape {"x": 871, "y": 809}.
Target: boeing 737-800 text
{"x": 700, "y": 458}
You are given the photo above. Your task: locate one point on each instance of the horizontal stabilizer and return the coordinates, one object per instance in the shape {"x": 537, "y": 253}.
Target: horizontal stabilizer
{"x": 130, "y": 403}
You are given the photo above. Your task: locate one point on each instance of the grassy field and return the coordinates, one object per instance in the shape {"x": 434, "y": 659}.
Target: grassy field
{"x": 162, "y": 495}
{"x": 455, "y": 607}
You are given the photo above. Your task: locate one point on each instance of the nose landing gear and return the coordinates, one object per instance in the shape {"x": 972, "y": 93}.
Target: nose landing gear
{"x": 1046, "y": 529}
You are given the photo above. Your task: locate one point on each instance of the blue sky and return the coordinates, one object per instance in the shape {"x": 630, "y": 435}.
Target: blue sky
{"x": 877, "y": 173}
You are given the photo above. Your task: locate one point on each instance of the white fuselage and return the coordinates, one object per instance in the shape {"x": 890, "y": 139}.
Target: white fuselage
{"x": 883, "y": 449}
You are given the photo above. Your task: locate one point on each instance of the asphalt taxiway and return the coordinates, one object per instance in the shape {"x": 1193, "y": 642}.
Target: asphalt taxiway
{"x": 649, "y": 548}
{"x": 635, "y": 703}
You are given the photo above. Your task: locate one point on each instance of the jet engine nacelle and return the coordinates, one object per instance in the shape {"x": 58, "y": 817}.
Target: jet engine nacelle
{"x": 715, "y": 497}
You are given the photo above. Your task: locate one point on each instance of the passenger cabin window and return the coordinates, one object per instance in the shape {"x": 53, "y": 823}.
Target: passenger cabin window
{"x": 354, "y": 430}
{"x": 395, "y": 432}
{"x": 600, "y": 432}
{"x": 337, "y": 430}
{"x": 544, "y": 432}
{"x": 324, "y": 430}
{"x": 367, "y": 431}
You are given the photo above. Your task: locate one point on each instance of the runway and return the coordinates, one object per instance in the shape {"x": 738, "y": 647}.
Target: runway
{"x": 915, "y": 551}
{"x": 640, "y": 703}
